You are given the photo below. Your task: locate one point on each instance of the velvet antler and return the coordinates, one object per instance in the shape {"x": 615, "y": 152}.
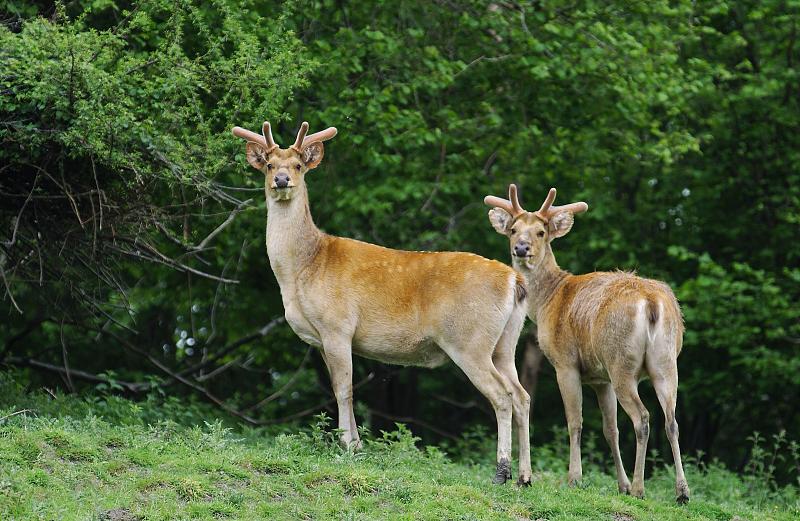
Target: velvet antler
{"x": 511, "y": 205}
{"x": 266, "y": 140}
{"x": 548, "y": 210}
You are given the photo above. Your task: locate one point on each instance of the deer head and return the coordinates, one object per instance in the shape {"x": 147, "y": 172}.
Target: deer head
{"x": 284, "y": 169}
{"x": 530, "y": 233}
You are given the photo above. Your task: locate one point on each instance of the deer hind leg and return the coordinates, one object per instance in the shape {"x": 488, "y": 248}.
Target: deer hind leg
{"x": 665, "y": 382}
{"x": 478, "y": 367}
{"x": 607, "y": 399}
{"x": 569, "y": 383}
{"x": 628, "y": 395}
{"x": 521, "y": 401}
{"x": 337, "y": 353}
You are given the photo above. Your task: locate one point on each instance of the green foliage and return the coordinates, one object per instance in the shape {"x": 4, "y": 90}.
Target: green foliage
{"x": 677, "y": 122}
{"x": 113, "y": 136}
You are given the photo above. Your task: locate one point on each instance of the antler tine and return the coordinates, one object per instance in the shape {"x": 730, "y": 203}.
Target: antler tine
{"x": 266, "y": 131}
{"x": 248, "y": 135}
{"x": 322, "y": 135}
{"x": 512, "y": 197}
{"x": 264, "y": 140}
{"x": 511, "y": 205}
{"x": 548, "y": 210}
{"x": 301, "y": 135}
{"x": 544, "y": 211}
{"x": 498, "y": 202}
{"x": 578, "y": 207}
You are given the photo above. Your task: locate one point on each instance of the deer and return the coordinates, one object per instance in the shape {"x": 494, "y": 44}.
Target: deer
{"x": 609, "y": 330}
{"x": 410, "y": 308}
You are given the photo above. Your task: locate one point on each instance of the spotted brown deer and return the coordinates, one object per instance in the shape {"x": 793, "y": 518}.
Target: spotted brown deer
{"x": 609, "y": 330}
{"x": 402, "y": 307}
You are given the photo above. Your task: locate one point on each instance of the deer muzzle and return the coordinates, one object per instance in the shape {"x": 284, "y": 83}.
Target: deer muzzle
{"x": 522, "y": 249}
{"x": 281, "y": 180}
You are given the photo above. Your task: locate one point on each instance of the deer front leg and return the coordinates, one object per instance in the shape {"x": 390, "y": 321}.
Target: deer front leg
{"x": 337, "y": 353}
{"x": 569, "y": 383}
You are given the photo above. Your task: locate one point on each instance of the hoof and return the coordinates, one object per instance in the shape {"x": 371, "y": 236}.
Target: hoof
{"x": 682, "y": 493}
{"x": 625, "y": 489}
{"x": 351, "y": 445}
{"x": 503, "y": 472}
{"x": 521, "y": 482}
{"x": 573, "y": 482}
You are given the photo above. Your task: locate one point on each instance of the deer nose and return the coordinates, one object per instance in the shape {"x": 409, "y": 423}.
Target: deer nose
{"x": 281, "y": 180}
{"x": 521, "y": 249}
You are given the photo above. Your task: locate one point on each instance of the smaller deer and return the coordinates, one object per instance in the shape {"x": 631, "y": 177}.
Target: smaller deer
{"x": 609, "y": 330}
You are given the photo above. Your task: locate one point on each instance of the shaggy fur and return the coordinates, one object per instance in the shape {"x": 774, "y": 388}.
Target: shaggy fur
{"x": 609, "y": 330}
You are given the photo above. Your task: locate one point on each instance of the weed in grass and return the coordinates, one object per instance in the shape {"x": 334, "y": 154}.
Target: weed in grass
{"x": 27, "y": 447}
{"x": 192, "y": 489}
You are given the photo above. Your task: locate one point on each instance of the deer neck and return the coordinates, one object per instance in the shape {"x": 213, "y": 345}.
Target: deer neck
{"x": 543, "y": 277}
{"x": 293, "y": 239}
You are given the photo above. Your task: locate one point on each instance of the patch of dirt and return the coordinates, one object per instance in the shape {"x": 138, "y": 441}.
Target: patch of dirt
{"x": 623, "y": 517}
{"x": 119, "y": 514}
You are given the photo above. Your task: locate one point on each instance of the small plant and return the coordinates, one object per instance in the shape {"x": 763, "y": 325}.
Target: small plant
{"x": 770, "y": 466}
{"x": 322, "y": 436}
{"x": 399, "y": 440}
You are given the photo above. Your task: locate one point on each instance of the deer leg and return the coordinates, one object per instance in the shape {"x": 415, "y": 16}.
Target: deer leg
{"x": 607, "y": 400}
{"x": 490, "y": 383}
{"x": 569, "y": 383}
{"x": 355, "y": 438}
{"x": 521, "y": 403}
{"x": 628, "y": 396}
{"x": 339, "y": 359}
{"x": 666, "y": 386}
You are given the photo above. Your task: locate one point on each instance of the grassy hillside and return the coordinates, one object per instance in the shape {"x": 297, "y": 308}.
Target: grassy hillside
{"x": 107, "y": 458}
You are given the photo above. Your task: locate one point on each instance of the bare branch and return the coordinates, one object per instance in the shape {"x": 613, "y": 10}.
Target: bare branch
{"x": 224, "y": 224}
{"x": 163, "y": 259}
{"x": 15, "y": 413}
{"x": 13, "y": 239}
{"x": 410, "y": 419}
{"x": 76, "y": 373}
{"x": 311, "y": 410}
{"x": 284, "y": 387}
{"x": 5, "y": 283}
{"x": 65, "y": 359}
{"x": 264, "y": 331}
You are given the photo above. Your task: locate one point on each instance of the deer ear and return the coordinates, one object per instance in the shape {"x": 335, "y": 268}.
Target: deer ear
{"x": 500, "y": 220}
{"x": 560, "y": 224}
{"x": 312, "y": 154}
{"x": 257, "y": 155}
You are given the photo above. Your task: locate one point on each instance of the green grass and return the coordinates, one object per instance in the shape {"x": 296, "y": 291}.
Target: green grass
{"x": 99, "y": 459}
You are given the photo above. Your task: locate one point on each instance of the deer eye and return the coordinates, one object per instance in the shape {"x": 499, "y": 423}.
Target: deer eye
{"x": 269, "y": 166}
{"x": 541, "y": 233}
{"x": 297, "y": 166}
{"x": 513, "y": 230}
